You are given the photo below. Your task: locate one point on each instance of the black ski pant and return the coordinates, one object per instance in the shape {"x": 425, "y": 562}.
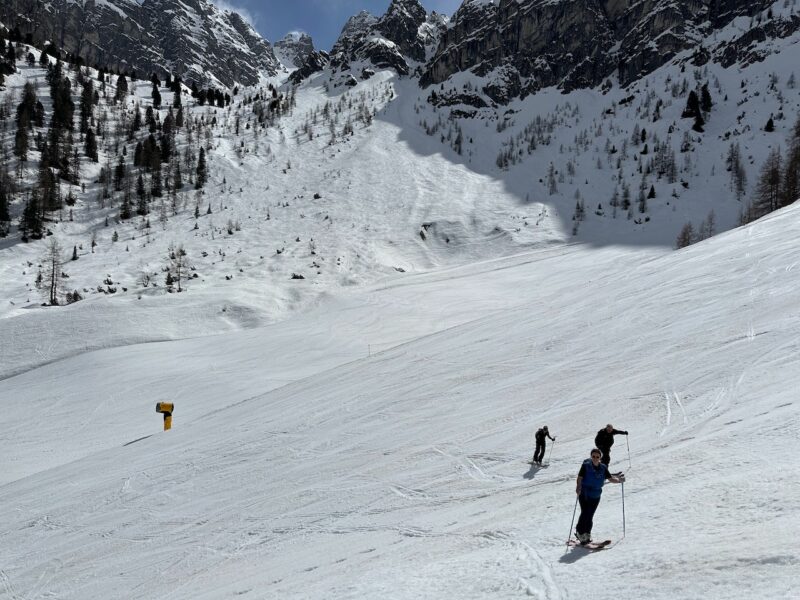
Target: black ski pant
{"x": 538, "y": 455}
{"x": 606, "y": 458}
{"x": 588, "y": 508}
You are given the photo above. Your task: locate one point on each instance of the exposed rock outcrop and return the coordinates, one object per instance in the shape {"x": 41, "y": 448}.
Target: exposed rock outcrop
{"x": 573, "y": 43}
{"x": 405, "y": 35}
{"x": 190, "y": 38}
{"x": 294, "y": 50}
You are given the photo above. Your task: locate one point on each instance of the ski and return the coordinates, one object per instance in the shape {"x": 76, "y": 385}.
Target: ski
{"x": 590, "y": 545}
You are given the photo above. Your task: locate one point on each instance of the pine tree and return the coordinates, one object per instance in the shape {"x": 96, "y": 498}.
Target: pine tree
{"x": 31, "y": 222}
{"x": 122, "y": 88}
{"x": 136, "y": 122}
{"x": 705, "y": 99}
{"x": 119, "y": 174}
{"x": 156, "y": 182}
{"x": 21, "y": 143}
{"x": 141, "y": 195}
{"x": 27, "y": 107}
{"x": 626, "y": 196}
{"x": 87, "y": 105}
{"x": 202, "y": 175}
{"x": 75, "y": 168}
{"x": 156, "y": 96}
{"x": 551, "y": 180}
{"x": 177, "y": 177}
{"x": 125, "y": 208}
{"x": 692, "y": 106}
{"x": 5, "y": 194}
{"x": 90, "y": 145}
{"x": 48, "y": 188}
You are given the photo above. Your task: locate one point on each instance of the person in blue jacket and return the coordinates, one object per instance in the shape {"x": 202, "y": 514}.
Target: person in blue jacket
{"x": 591, "y": 478}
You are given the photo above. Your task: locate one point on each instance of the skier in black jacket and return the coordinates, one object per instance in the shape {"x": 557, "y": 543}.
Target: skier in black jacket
{"x": 605, "y": 439}
{"x": 541, "y": 443}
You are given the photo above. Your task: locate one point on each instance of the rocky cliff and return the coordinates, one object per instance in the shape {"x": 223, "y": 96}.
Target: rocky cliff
{"x": 402, "y": 39}
{"x": 294, "y": 49}
{"x": 191, "y": 38}
{"x": 571, "y": 44}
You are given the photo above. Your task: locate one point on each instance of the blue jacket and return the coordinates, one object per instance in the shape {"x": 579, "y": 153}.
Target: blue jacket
{"x": 593, "y": 479}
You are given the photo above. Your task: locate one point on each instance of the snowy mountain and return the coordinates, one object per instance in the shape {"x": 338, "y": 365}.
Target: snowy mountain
{"x": 403, "y": 37}
{"x": 365, "y": 295}
{"x": 294, "y": 49}
{"x": 570, "y": 44}
{"x": 190, "y": 38}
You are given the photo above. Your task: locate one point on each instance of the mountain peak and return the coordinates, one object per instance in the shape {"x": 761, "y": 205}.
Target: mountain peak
{"x": 294, "y": 49}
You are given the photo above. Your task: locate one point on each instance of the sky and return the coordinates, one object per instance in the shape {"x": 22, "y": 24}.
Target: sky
{"x": 322, "y": 19}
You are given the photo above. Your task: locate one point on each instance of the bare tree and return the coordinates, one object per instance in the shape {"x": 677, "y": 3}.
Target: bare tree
{"x": 51, "y": 272}
{"x": 686, "y": 237}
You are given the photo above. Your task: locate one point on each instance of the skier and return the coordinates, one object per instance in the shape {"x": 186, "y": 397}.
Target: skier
{"x": 605, "y": 439}
{"x": 541, "y": 444}
{"x": 589, "y": 488}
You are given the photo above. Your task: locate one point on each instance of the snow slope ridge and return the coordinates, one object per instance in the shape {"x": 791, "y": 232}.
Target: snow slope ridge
{"x": 402, "y": 474}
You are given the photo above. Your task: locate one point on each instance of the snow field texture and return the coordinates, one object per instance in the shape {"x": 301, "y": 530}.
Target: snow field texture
{"x": 402, "y": 473}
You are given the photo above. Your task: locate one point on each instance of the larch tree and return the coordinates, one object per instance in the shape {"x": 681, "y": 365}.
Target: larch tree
{"x": 768, "y": 189}
{"x": 52, "y": 275}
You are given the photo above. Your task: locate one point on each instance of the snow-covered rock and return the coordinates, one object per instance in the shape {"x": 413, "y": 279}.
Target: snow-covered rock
{"x": 402, "y": 37}
{"x": 575, "y": 44}
{"x": 294, "y": 49}
{"x": 190, "y": 38}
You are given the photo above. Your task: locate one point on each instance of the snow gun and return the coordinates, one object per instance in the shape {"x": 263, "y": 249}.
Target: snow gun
{"x": 166, "y": 409}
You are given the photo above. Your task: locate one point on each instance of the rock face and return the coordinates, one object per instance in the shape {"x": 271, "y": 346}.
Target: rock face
{"x": 401, "y": 25}
{"x": 190, "y": 38}
{"x": 571, "y": 44}
{"x": 314, "y": 63}
{"x": 401, "y": 39}
{"x": 294, "y": 49}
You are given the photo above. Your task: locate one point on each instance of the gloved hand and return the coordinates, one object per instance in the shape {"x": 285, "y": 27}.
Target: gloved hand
{"x": 621, "y": 477}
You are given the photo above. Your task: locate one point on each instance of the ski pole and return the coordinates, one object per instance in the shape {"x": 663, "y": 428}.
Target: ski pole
{"x": 623, "y": 508}
{"x": 550, "y": 453}
{"x": 629, "y": 452}
{"x": 574, "y": 510}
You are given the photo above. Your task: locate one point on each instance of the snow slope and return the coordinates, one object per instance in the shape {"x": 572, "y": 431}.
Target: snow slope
{"x": 402, "y": 474}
